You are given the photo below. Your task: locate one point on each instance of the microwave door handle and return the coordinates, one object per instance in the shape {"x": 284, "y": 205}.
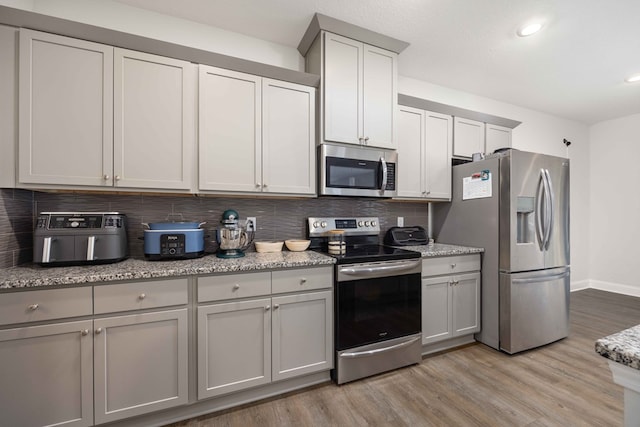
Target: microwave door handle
{"x": 383, "y": 185}
{"x": 91, "y": 245}
{"x": 550, "y": 208}
{"x": 46, "y": 250}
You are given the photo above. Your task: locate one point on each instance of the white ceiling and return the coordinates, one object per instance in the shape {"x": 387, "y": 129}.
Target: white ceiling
{"x": 575, "y": 68}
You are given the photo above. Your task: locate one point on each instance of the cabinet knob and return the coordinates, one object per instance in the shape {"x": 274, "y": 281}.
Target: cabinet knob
{"x": 117, "y": 177}
{"x": 264, "y": 185}
{"x": 303, "y": 281}
{"x": 142, "y": 296}
{"x": 258, "y": 185}
{"x": 366, "y": 140}
{"x": 84, "y": 332}
{"x": 276, "y": 306}
{"x": 453, "y": 265}
{"x": 106, "y": 177}
{"x": 428, "y": 192}
{"x": 267, "y": 308}
{"x": 33, "y": 307}
{"x": 236, "y": 287}
{"x": 98, "y": 331}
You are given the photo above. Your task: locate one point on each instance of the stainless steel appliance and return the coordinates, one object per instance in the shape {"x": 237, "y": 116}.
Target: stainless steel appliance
{"x": 377, "y": 299}
{"x": 76, "y": 238}
{"x": 515, "y": 204}
{"x": 234, "y": 236}
{"x": 356, "y": 171}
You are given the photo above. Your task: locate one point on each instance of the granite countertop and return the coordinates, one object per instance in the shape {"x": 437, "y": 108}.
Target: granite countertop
{"x": 35, "y": 276}
{"x": 443, "y": 249}
{"x": 622, "y": 347}
{"x": 31, "y": 276}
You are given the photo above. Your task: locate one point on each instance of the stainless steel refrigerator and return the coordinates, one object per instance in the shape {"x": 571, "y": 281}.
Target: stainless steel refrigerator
{"x": 515, "y": 204}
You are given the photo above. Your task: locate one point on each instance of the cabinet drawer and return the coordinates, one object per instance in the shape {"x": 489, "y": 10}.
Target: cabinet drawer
{"x": 139, "y": 295}
{"x": 33, "y": 306}
{"x": 214, "y": 288}
{"x": 302, "y": 279}
{"x": 450, "y": 264}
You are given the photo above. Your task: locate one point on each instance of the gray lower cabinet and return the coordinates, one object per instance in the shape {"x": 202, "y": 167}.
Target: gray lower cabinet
{"x": 263, "y": 327}
{"x": 140, "y": 364}
{"x": 450, "y": 297}
{"x": 46, "y": 375}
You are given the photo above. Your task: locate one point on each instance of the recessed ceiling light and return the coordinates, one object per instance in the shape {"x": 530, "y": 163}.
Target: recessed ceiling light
{"x": 633, "y": 79}
{"x": 529, "y": 29}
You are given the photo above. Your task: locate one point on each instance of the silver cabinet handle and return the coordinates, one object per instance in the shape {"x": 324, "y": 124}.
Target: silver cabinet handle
{"x": 236, "y": 287}
{"x": 91, "y": 246}
{"x": 264, "y": 185}
{"x": 303, "y": 281}
{"x": 142, "y": 296}
{"x": 46, "y": 249}
{"x": 84, "y": 332}
{"x": 106, "y": 177}
{"x": 258, "y": 185}
{"x": 267, "y": 308}
{"x": 117, "y": 177}
{"x": 453, "y": 265}
{"x": 276, "y": 306}
{"x": 366, "y": 140}
{"x": 33, "y": 307}
{"x": 98, "y": 331}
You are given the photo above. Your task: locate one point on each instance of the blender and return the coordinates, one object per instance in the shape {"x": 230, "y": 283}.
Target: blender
{"x": 234, "y": 236}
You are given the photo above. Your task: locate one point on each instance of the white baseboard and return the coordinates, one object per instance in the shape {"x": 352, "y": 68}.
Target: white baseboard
{"x": 617, "y": 288}
{"x": 580, "y": 285}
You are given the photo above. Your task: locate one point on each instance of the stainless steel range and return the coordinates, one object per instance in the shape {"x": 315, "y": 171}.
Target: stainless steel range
{"x": 377, "y": 299}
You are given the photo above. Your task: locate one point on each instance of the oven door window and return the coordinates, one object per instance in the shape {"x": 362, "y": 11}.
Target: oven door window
{"x": 353, "y": 173}
{"x": 374, "y": 310}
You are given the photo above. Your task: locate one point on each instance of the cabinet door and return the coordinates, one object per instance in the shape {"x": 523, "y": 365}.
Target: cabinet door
{"x": 229, "y": 130}
{"x": 380, "y": 96}
{"x": 496, "y": 137}
{"x": 234, "y": 346}
{"x": 140, "y": 364}
{"x": 436, "y": 309}
{"x": 438, "y": 145}
{"x": 468, "y": 137}
{"x": 288, "y": 138}
{"x": 302, "y": 334}
{"x": 411, "y": 156}
{"x": 343, "y": 87}
{"x": 8, "y": 102}
{"x": 154, "y": 121}
{"x": 466, "y": 304}
{"x": 65, "y": 111}
{"x": 46, "y": 375}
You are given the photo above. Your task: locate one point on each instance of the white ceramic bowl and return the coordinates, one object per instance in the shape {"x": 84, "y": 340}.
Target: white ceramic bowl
{"x": 297, "y": 245}
{"x": 268, "y": 246}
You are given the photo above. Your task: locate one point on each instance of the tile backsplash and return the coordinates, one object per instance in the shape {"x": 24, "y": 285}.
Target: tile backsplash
{"x": 277, "y": 218}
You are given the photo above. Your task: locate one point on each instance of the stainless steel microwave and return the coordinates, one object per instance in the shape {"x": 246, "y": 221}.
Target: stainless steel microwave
{"x": 356, "y": 171}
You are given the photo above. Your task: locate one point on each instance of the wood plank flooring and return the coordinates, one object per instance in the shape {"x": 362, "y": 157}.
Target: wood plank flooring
{"x": 562, "y": 384}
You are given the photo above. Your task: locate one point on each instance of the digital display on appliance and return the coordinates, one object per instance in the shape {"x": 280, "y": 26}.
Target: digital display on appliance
{"x": 346, "y": 223}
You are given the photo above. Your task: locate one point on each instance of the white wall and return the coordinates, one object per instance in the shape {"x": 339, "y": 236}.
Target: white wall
{"x": 615, "y": 205}
{"x": 542, "y": 133}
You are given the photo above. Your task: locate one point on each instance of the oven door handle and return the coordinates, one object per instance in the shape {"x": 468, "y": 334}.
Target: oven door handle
{"x": 407, "y": 265}
{"x": 380, "y": 350}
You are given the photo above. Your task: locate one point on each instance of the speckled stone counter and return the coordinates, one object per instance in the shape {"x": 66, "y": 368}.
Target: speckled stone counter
{"x": 35, "y": 276}
{"x": 622, "y": 347}
{"x": 443, "y": 249}
{"x": 623, "y": 351}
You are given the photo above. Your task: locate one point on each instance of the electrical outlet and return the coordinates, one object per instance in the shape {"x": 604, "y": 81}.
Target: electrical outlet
{"x": 400, "y": 221}
{"x": 254, "y": 224}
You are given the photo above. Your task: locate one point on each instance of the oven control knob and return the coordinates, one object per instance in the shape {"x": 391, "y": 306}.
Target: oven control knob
{"x": 323, "y": 224}
{"x": 373, "y": 223}
{"x": 360, "y": 224}
{"x": 367, "y": 223}
{"x": 316, "y": 224}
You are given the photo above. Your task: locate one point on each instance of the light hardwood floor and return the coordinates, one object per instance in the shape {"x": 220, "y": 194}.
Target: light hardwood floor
{"x": 562, "y": 384}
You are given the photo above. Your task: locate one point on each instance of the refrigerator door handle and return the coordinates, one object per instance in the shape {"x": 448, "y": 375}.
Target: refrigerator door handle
{"x": 540, "y": 227}
{"x": 550, "y": 209}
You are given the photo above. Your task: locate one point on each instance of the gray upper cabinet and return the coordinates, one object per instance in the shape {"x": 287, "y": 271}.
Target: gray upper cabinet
{"x": 255, "y": 135}
{"x": 355, "y": 75}
{"x": 468, "y": 137}
{"x": 496, "y": 137}
{"x": 81, "y": 124}
{"x": 65, "y": 110}
{"x": 424, "y": 154}
{"x": 8, "y": 102}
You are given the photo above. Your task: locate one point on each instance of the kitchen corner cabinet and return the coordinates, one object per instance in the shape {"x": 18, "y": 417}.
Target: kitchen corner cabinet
{"x": 450, "y": 297}
{"x": 468, "y": 137}
{"x": 359, "y": 86}
{"x": 496, "y": 137}
{"x": 255, "y": 328}
{"x": 83, "y": 122}
{"x": 256, "y": 135}
{"x": 424, "y": 154}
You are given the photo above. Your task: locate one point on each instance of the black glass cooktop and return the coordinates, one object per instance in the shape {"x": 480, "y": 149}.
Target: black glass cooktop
{"x": 373, "y": 253}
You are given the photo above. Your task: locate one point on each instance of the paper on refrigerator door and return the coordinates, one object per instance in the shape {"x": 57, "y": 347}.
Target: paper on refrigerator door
{"x": 476, "y": 186}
